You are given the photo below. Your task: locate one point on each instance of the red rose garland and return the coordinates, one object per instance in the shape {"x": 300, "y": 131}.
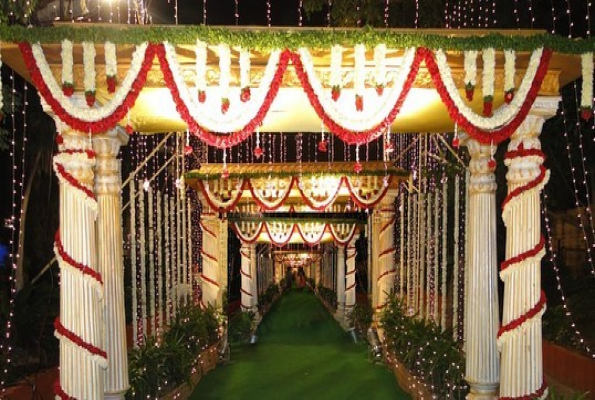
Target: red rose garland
{"x": 58, "y": 391}
{"x": 221, "y": 141}
{"x": 74, "y": 338}
{"x": 279, "y": 202}
{"x": 85, "y": 270}
{"x": 480, "y": 135}
{"x": 71, "y": 120}
{"x": 345, "y": 135}
{"x": 538, "y": 307}
{"x": 230, "y": 206}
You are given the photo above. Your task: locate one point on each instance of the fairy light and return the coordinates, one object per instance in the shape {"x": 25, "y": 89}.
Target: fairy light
{"x": 176, "y": 11}
{"x": 300, "y": 11}
{"x": 552, "y": 257}
{"x": 531, "y": 13}
{"x": 329, "y": 8}
{"x": 236, "y": 13}
{"x": 204, "y": 12}
{"x": 386, "y": 13}
{"x": 588, "y": 18}
{"x": 472, "y": 13}
{"x": 358, "y": 10}
{"x": 577, "y": 201}
{"x": 416, "y": 13}
{"x": 269, "y": 13}
{"x": 516, "y": 14}
{"x": 446, "y": 14}
{"x": 569, "y": 16}
{"x": 554, "y": 18}
{"x": 493, "y": 8}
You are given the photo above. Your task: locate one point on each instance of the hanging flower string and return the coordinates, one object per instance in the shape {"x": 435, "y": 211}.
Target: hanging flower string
{"x": 96, "y": 120}
{"x": 587, "y": 93}
{"x": 245, "y": 75}
{"x": 336, "y": 71}
{"x": 238, "y": 128}
{"x": 365, "y": 130}
{"x": 503, "y": 123}
{"x": 111, "y": 67}
{"x": 67, "y": 68}
{"x": 509, "y": 73}
{"x": 470, "y": 66}
{"x": 89, "y": 72}
{"x": 201, "y": 70}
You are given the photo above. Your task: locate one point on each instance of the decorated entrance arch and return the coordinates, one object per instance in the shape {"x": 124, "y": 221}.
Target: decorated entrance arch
{"x": 493, "y": 87}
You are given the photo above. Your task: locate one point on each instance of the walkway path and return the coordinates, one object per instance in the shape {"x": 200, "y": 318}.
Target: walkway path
{"x": 302, "y": 353}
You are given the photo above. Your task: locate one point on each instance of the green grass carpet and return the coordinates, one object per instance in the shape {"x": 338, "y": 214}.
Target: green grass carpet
{"x": 302, "y": 353}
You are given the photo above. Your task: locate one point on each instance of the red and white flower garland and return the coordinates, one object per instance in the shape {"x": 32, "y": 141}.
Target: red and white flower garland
{"x": 67, "y": 68}
{"x": 94, "y": 120}
{"x": 89, "y": 72}
{"x": 111, "y": 66}
{"x": 470, "y": 67}
{"x": 281, "y": 233}
{"x": 507, "y": 118}
{"x": 487, "y": 81}
{"x": 509, "y": 73}
{"x": 65, "y": 178}
{"x": 237, "y": 123}
{"x": 339, "y": 117}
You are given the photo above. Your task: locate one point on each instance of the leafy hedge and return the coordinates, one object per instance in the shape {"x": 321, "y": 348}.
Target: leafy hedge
{"x": 361, "y": 317}
{"x": 268, "y": 297}
{"x": 328, "y": 296}
{"x": 425, "y": 350}
{"x": 157, "y": 367}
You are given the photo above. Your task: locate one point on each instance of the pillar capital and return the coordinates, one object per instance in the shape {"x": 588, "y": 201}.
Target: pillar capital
{"x": 481, "y": 165}
{"x": 106, "y": 146}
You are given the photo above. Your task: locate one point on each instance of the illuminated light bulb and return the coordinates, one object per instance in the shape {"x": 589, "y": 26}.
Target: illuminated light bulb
{"x": 146, "y": 185}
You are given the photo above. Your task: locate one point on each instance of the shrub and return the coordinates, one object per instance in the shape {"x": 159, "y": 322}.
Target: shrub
{"x": 240, "y": 326}
{"x": 361, "y": 317}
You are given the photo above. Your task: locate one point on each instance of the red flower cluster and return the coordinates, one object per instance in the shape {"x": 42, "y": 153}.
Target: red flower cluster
{"x": 111, "y": 82}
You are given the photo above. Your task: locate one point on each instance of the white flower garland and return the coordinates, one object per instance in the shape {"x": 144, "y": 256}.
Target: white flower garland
{"x": 244, "y": 68}
{"x": 234, "y": 194}
{"x": 470, "y": 66}
{"x": 78, "y": 159}
{"x": 89, "y": 66}
{"x": 311, "y": 232}
{"x": 587, "y": 72}
{"x": 67, "y": 63}
{"x": 380, "y": 65}
{"x": 489, "y": 65}
{"x": 339, "y": 236}
{"x": 247, "y": 232}
{"x": 224, "y": 69}
{"x": 509, "y": 70}
{"x": 85, "y": 113}
{"x": 502, "y": 115}
{"x": 201, "y": 65}
{"x": 336, "y": 66}
{"x": 522, "y": 328}
{"x": 342, "y": 112}
{"x": 281, "y": 187}
{"x": 94, "y": 283}
{"x": 208, "y": 114}
{"x": 359, "y": 72}
{"x": 111, "y": 65}
{"x": 377, "y": 186}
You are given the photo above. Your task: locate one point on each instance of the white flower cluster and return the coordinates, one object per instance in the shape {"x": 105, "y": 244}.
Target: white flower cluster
{"x": 111, "y": 66}
{"x": 470, "y": 66}
{"x": 224, "y": 69}
{"x": 587, "y": 71}
{"x": 359, "y": 73}
{"x": 67, "y": 62}
{"x": 336, "y": 65}
{"x": 380, "y": 65}
{"x": 89, "y": 66}
{"x": 244, "y": 68}
{"x": 489, "y": 65}
{"x": 509, "y": 70}
{"x": 201, "y": 65}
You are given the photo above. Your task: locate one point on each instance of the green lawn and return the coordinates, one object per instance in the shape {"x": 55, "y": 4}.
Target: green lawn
{"x": 302, "y": 353}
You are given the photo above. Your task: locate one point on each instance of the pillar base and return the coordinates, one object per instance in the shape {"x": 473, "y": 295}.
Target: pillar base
{"x": 486, "y": 391}
{"x": 115, "y": 396}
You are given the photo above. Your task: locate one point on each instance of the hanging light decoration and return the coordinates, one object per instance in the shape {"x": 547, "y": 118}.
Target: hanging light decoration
{"x": 258, "y": 150}
{"x": 187, "y": 148}
{"x": 323, "y": 144}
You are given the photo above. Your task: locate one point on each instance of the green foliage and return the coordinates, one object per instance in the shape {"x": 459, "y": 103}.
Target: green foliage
{"x": 266, "y": 40}
{"x": 361, "y": 317}
{"x": 556, "y": 328}
{"x": 241, "y": 326}
{"x": 155, "y": 367}
{"x": 268, "y": 297}
{"x": 553, "y": 395}
{"x": 425, "y": 350}
{"x": 17, "y": 11}
{"x": 328, "y": 296}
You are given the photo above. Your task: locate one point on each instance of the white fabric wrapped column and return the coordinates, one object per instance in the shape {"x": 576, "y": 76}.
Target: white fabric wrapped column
{"x": 110, "y": 258}
{"x": 524, "y": 302}
{"x": 210, "y": 277}
{"x": 80, "y": 327}
{"x": 383, "y": 262}
{"x": 253, "y": 272}
{"x": 247, "y": 277}
{"x": 340, "y": 276}
{"x": 350, "y": 276}
{"x": 482, "y": 322}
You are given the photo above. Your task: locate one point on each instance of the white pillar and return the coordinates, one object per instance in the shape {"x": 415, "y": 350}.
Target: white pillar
{"x": 340, "y": 276}
{"x": 247, "y": 286}
{"x": 81, "y": 327}
{"x": 110, "y": 258}
{"x": 524, "y": 303}
{"x": 383, "y": 263}
{"x": 254, "y": 273}
{"x": 482, "y": 370}
{"x": 350, "y": 283}
{"x": 210, "y": 277}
